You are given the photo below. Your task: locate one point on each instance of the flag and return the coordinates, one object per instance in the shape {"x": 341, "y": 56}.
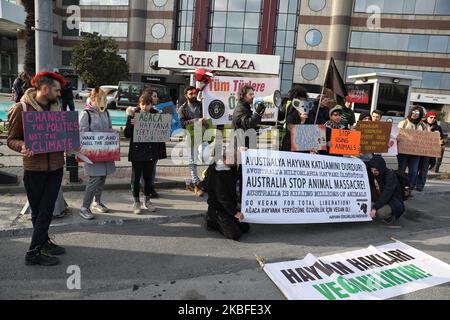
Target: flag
{"x": 334, "y": 82}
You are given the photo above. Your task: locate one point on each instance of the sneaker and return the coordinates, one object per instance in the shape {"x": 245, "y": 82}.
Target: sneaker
{"x": 389, "y": 220}
{"x": 99, "y": 207}
{"x": 52, "y": 249}
{"x": 137, "y": 208}
{"x": 148, "y": 205}
{"x": 420, "y": 189}
{"x": 86, "y": 213}
{"x": 154, "y": 194}
{"x": 36, "y": 256}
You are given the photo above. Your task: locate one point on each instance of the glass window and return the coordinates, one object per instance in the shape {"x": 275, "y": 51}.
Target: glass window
{"x": 236, "y": 5}
{"x": 237, "y": 48}
{"x": 217, "y": 47}
{"x": 284, "y": 6}
{"x": 107, "y": 29}
{"x": 281, "y": 38}
{"x": 252, "y": 20}
{"x": 355, "y": 40}
{"x": 418, "y": 43}
{"x": 218, "y": 35}
{"x": 291, "y": 21}
{"x": 431, "y": 79}
{"x": 310, "y": 72}
{"x": 290, "y": 38}
{"x": 288, "y": 54}
{"x": 219, "y": 19}
{"x": 66, "y": 57}
{"x": 249, "y": 49}
{"x": 442, "y": 7}
{"x": 69, "y": 32}
{"x": 445, "y": 82}
{"x": 395, "y": 6}
{"x": 438, "y": 44}
{"x": 425, "y": 6}
{"x": 313, "y": 37}
{"x": 282, "y": 21}
{"x": 317, "y": 5}
{"x": 220, "y": 5}
{"x": 370, "y": 40}
{"x": 251, "y": 36}
{"x": 409, "y": 6}
{"x": 234, "y": 36}
{"x": 253, "y": 6}
{"x": 235, "y": 20}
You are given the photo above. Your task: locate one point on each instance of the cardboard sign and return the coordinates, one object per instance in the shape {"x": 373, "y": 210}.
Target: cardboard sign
{"x": 100, "y": 146}
{"x": 152, "y": 127}
{"x": 375, "y": 136}
{"x": 393, "y": 151}
{"x": 290, "y": 187}
{"x": 419, "y": 143}
{"x": 308, "y": 137}
{"x": 345, "y": 142}
{"x": 170, "y": 108}
{"x": 373, "y": 273}
{"x": 51, "y": 131}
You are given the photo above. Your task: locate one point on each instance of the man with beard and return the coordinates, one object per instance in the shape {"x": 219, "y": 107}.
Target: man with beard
{"x": 42, "y": 172}
{"x": 189, "y": 113}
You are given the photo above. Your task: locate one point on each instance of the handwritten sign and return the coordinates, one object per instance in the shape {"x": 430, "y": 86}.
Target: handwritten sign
{"x": 345, "y": 142}
{"x": 100, "y": 146}
{"x": 308, "y": 137}
{"x": 51, "y": 131}
{"x": 152, "y": 127}
{"x": 419, "y": 143}
{"x": 358, "y": 93}
{"x": 375, "y": 136}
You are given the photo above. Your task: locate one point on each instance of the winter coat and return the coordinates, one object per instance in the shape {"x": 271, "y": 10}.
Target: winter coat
{"x": 100, "y": 122}
{"x": 221, "y": 187}
{"x": 39, "y": 162}
{"x": 323, "y": 116}
{"x": 244, "y": 118}
{"x": 348, "y": 117}
{"x": 435, "y": 127}
{"x": 143, "y": 151}
{"x": 187, "y": 116}
{"x": 292, "y": 118}
{"x": 391, "y": 193}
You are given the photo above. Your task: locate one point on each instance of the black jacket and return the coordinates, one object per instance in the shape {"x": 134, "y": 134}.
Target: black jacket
{"x": 143, "y": 151}
{"x": 67, "y": 93}
{"x": 222, "y": 194}
{"x": 244, "y": 118}
{"x": 323, "y": 116}
{"x": 292, "y": 118}
{"x": 391, "y": 192}
{"x": 436, "y": 127}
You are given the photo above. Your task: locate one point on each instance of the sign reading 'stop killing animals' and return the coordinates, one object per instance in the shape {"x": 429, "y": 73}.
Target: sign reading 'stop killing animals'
{"x": 284, "y": 187}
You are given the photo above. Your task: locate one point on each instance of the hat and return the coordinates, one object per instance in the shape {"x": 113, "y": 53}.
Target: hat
{"x": 52, "y": 75}
{"x": 336, "y": 108}
{"x": 431, "y": 113}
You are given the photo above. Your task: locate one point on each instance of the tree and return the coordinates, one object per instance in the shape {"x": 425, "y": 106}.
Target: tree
{"x": 30, "y": 56}
{"x": 96, "y": 61}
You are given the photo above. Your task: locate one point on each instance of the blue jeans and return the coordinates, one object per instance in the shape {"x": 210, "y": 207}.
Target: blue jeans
{"x": 412, "y": 162}
{"x": 193, "y": 166}
{"x": 423, "y": 171}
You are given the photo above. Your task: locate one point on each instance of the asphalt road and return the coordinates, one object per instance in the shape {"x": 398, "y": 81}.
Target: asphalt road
{"x": 181, "y": 260}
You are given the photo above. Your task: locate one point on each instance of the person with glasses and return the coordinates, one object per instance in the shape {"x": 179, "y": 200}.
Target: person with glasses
{"x": 427, "y": 162}
{"x": 412, "y": 122}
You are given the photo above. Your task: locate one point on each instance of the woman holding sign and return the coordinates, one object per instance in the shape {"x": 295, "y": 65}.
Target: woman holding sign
{"x": 142, "y": 155}
{"x": 95, "y": 118}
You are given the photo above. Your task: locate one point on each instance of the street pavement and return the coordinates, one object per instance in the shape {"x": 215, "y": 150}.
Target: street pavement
{"x": 169, "y": 255}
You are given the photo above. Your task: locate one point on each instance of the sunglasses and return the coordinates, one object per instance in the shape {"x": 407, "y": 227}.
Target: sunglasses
{"x": 432, "y": 117}
{"x": 416, "y": 112}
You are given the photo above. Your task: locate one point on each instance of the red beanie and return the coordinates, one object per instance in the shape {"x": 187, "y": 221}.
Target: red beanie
{"x": 53, "y": 75}
{"x": 431, "y": 113}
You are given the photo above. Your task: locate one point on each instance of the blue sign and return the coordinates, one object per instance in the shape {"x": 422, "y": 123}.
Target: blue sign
{"x": 170, "y": 108}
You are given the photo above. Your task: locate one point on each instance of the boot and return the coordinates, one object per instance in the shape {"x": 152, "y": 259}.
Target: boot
{"x": 36, "y": 256}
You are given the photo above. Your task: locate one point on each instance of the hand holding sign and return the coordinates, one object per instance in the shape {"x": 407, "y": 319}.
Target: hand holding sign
{"x": 26, "y": 152}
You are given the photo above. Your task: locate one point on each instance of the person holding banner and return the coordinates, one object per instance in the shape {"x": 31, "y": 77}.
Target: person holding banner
{"x": 413, "y": 122}
{"x": 95, "y": 118}
{"x": 42, "y": 172}
{"x": 387, "y": 202}
{"x": 335, "y": 122}
{"x": 142, "y": 156}
{"x": 190, "y": 112}
{"x": 292, "y": 113}
{"x": 243, "y": 116}
{"x": 427, "y": 163}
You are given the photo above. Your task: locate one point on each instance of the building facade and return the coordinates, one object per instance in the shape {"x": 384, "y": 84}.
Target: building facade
{"x": 404, "y": 36}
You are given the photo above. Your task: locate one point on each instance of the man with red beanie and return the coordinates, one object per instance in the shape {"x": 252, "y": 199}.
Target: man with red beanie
{"x": 42, "y": 172}
{"x": 348, "y": 115}
{"x": 427, "y": 162}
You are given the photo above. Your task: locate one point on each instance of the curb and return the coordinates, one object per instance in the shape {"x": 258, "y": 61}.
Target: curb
{"x": 14, "y": 232}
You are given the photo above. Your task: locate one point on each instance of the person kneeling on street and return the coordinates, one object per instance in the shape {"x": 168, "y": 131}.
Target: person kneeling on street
{"x": 387, "y": 204}
{"x": 223, "y": 208}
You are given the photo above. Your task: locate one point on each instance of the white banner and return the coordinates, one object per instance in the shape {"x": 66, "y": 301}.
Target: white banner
{"x": 221, "y": 97}
{"x": 374, "y": 273}
{"x": 288, "y": 187}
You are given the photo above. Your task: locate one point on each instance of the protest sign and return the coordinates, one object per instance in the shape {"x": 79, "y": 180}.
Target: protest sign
{"x": 288, "y": 187}
{"x": 375, "y": 136}
{"x": 100, "y": 146}
{"x": 152, "y": 127}
{"x": 308, "y": 137}
{"x": 170, "y": 108}
{"x": 345, "y": 142}
{"x": 392, "y": 152}
{"x": 419, "y": 143}
{"x": 221, "y": 97}
{"x": 51, "y": 131}
{"x": 358, "y": 93}
{"x": 374, "y": 273}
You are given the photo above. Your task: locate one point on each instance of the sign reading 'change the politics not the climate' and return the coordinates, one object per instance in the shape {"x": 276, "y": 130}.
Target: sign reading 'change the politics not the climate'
{"x": 286, "y": 187}
{"x": 51, "y": 131}
{"x": 373, "y": 273}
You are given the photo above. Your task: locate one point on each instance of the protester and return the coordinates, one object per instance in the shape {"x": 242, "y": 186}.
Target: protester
{"x": 67, "y": 98}
{"x": 335, "y": 122}
{"x": 428, "y": 162}
{"x": 224, "y": 213}
{"x": 377, "y": 115}
{"x": 363, "y": 117}
{"x": 388, "y": 202}
{"x": 20, "y": 85}
{"x": 413, "y": 122}
{"x": 292, "y": 114}
{"x": 95, "y": 118}
{"x": 320, "y": 114}
{"x": 42, "y": 172}
{"x": 348, "y": 115}
{"x": 189, "y": 113}
{"x": 142, "y": 156}
{"x": 243, "y": 116}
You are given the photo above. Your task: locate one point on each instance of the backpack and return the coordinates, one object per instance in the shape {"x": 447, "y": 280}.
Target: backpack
{"x": 404, "y": 184}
